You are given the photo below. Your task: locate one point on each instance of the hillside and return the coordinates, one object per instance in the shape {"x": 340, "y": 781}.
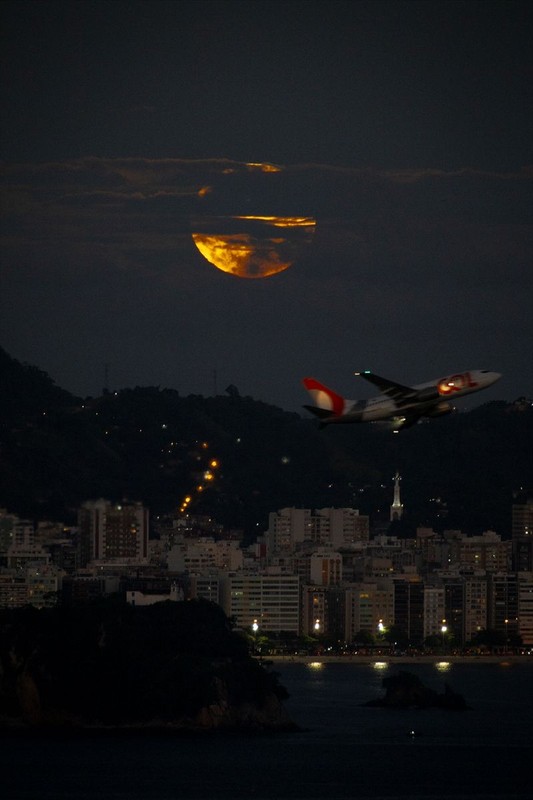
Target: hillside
{"x": 168, "y": 665}
{"x": 154, "y": 445}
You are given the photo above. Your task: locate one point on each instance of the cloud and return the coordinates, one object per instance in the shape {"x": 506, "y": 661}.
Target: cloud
{"x": 410, "y": 227}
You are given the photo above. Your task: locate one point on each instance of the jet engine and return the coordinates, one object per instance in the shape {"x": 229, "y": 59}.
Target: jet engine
{"x": 440, "y": 410}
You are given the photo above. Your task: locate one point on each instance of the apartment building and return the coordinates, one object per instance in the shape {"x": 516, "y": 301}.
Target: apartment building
{"x": 289, "y": 528}
{"x": 339, "y": 527}
{"x": 525, "y": 607}
{"x": 323, "y": 611}
{"x": 369, "y": 606}
{"x": 434, "y": 610}
{"x": 113, "y": 532}
{"x": 273, "y": 601}
{"x": 522, "y": 519}
{"x": 502, "y": 602}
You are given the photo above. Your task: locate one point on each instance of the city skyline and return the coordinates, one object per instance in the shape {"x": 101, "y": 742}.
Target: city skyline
{"x": 322, "y": 573}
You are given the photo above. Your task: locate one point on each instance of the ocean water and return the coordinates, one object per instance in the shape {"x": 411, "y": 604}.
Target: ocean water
{"x": 344, "y": 750}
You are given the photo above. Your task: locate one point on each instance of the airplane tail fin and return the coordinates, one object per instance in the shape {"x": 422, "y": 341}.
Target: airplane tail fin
{"x": 327, "y": 402}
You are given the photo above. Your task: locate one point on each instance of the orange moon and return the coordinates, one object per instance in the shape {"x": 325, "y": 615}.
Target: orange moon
{"x": 252, "y": 246}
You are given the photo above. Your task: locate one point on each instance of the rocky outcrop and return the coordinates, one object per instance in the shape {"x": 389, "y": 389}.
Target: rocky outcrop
{"x": 224, "y": 714}
{"x": 406, "y": 690}
{"x": 169, "y": 666}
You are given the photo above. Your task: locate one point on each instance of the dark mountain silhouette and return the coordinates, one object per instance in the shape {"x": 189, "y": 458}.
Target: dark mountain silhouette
{"x": 168, "y": 665}
{"x": 154, "y": 445}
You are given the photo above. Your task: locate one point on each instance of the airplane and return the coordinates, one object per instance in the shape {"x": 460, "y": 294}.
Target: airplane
{"x": 402, "y": 405}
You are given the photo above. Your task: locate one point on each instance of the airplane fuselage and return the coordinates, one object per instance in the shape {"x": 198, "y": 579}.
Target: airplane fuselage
{"x": 403, "y": 403}
{"x": 437, "y": 392}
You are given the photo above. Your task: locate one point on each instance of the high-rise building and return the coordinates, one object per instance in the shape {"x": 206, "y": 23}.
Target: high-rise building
{"x": 325, "y": 568}
{"x": 459, "y": 602}
{"x": 481, "y": 552}
{"x": 287, "y": 528}
{"x": 522, "y": 519}
{"x": 13, "y": 589}
{"x": 42, "y": 583}
{"x": 525, "y": 607}
{"x": 84, "y": 587}
{"x": 369, "y": 608}
{"x": 502, "y": 602}
{"x": 522, "y": 554}
{"x": 323, "y": 611}
{"x": 197, "y": 556}
{"x": 24, "y": 548}
{"x": 475, "y": 615}
{"x": 522, "y": 536}
{"x": 7, "y": 525}
{"x": 409, "y": 608}
{"x": 434, "y": 612}
{"x": 454, "y": 607}
{"x": 339, "y": 527}
{"x": 205, "y": 587}
{"x": 112, "y": 532}
{"x": 271, "y": 601}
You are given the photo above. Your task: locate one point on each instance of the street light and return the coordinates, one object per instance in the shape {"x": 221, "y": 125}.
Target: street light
{"x": 506, "y": 635}
{"x": 255, "y": 628}
{"x": 443, "y": 629}
{"x": 317, "y": 625}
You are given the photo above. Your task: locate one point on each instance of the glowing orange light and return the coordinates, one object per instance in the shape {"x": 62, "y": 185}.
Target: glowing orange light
{"x": 281, "y": 222}
{"x": 444, "y": 387}
{"x": 263, "y": 167}
{"x": 456, "y": 383}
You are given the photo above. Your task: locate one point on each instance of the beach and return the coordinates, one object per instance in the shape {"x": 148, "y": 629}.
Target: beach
{"x": 370, "y": 659}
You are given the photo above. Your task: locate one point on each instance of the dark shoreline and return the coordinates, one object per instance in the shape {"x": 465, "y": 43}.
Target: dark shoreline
{"x": 369, "y": 660}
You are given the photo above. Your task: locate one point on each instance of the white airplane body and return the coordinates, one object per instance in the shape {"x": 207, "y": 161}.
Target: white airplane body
{"x": 402, "y": 405}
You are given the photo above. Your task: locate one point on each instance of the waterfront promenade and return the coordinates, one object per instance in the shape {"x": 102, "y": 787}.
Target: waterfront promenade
{"x": 360, "y": 659}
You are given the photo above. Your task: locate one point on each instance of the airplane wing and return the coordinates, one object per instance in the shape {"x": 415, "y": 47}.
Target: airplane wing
{"x": 398, "y": 393}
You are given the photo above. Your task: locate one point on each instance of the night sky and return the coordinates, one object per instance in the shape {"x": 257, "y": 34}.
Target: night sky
{"x": 405, "y": 129}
